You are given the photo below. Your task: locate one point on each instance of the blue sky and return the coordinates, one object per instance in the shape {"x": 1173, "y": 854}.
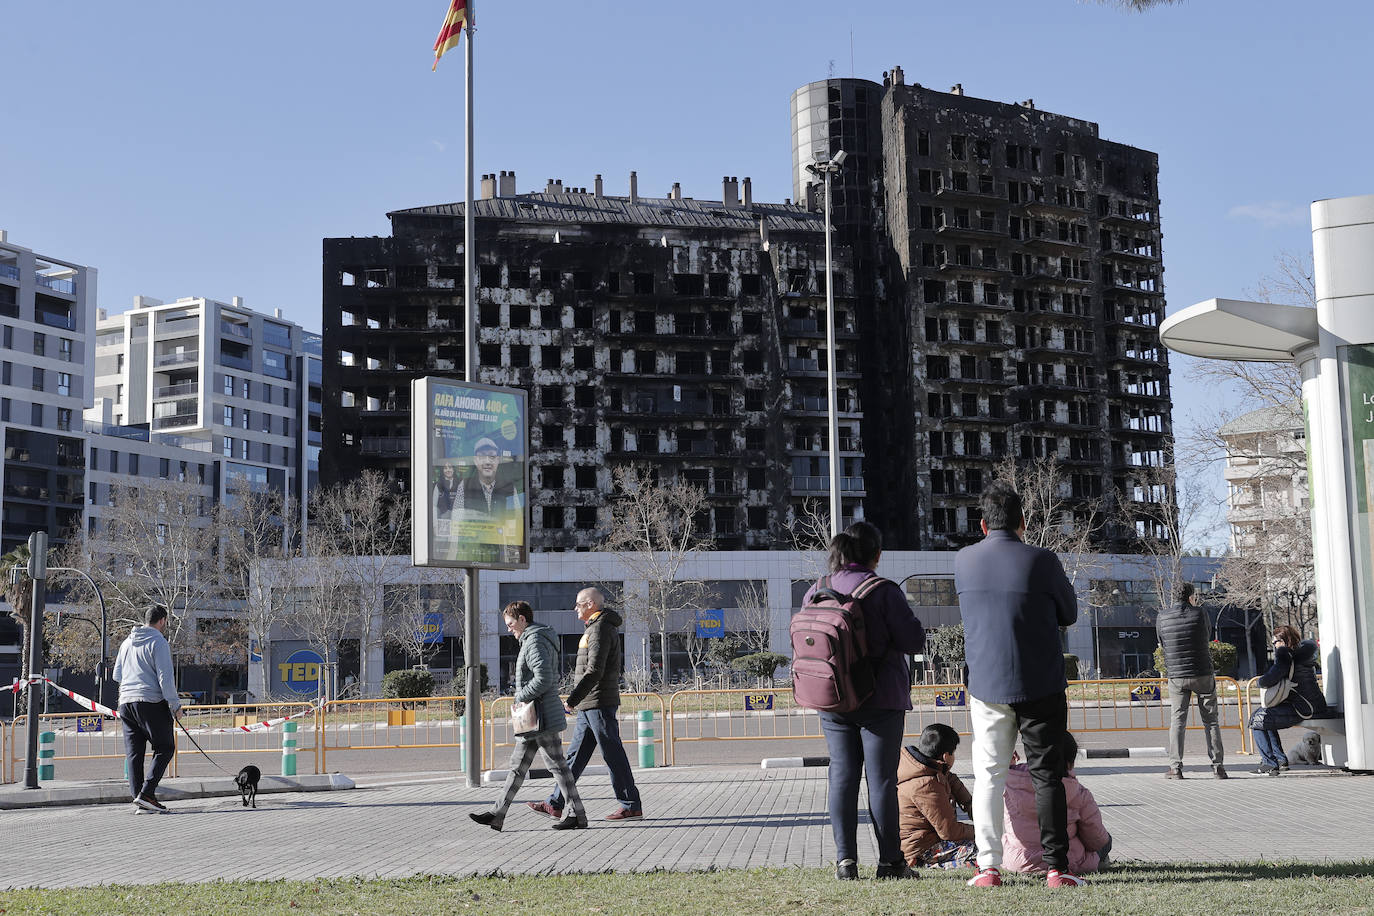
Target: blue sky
{"x": 204, "y": 149}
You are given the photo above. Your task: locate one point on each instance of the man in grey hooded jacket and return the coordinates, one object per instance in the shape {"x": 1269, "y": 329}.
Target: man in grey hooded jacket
{"x": 147, "y": 704}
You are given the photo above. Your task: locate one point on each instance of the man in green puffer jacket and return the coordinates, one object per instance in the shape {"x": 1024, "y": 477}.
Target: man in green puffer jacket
{"x": 595, "y": 697}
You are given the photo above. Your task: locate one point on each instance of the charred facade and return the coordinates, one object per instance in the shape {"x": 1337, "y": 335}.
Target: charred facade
{"x": 687, "y": 335}
{"x": 998, "y": 291}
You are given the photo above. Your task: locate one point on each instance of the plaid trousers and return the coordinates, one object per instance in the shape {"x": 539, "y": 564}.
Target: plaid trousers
{"x": 551, "y": 743}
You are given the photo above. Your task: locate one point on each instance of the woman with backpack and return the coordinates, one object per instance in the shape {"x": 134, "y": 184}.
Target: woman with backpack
{"x": 868, "y": 740}
{"x": 1296, "y": 659}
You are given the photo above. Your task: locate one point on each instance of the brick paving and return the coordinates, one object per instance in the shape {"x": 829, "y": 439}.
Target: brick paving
{"x": 697, "y": 817}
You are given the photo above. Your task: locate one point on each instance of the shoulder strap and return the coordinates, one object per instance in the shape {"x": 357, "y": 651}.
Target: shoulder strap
{"x": 867, "y": 586}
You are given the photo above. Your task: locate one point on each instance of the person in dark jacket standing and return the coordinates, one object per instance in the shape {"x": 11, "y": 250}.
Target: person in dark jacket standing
{"x": 595, "y": 698}
{"x": 1183, "y": 636}
{"x": 868, "y": 741}
{"x": 1014, "y": 598}
{"x": 1297, "y": 658}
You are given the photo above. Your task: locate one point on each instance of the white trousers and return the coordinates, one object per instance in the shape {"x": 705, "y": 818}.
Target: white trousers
{"x": 994, "y": 739}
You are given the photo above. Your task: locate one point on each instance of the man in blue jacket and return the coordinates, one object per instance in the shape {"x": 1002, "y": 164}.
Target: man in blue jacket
{"x": 1014, "y": 598}
{"x": 147, "y": 704}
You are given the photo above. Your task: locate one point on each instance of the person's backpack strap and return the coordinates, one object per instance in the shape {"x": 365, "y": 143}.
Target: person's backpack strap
{"x": 867, "y": 586}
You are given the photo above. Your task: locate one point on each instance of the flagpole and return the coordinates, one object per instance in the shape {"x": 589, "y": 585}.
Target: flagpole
{"x": 472, "y": 739}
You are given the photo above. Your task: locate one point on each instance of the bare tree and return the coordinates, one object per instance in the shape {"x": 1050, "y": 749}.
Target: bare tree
{"x": 410, "y": 609}
{"x": 256, "y": 528}
{"x": 157, "y": 543}
{"x": 355, "y": 528}
{"x": 809, "y": 531}
{"x": 756, "y": 618}
{"x": 654, "y": 532}
{"x": 1070, "y": 526}
{"x": 220, "y": 645}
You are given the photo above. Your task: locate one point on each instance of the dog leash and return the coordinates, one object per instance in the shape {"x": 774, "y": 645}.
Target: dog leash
{"x": 212, "y": 760}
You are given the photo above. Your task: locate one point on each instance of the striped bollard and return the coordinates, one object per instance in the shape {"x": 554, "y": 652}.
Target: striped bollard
{"x": 646, "y": 738}
{"x": 462, "y": 745}
{"x": 288, "y": 748}
{"x": 46, "y": 753}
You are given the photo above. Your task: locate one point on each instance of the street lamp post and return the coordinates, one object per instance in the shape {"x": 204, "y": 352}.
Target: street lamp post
{"x": 826, "y": 170}
{"x": 100, "y": 669}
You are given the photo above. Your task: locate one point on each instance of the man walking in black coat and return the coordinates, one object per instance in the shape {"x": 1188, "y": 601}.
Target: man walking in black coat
{"x": 1183, "y": 636}
{"x": 1014, "y": 598}
{"x": 595, "y": 697}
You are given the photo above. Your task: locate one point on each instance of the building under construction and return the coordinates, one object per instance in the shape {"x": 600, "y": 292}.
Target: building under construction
{"x": 998, "y": 286}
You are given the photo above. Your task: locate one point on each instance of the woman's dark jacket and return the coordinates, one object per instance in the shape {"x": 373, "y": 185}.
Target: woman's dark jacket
{"x": 1305, "y": 701}
{"x": 892, "y": 632}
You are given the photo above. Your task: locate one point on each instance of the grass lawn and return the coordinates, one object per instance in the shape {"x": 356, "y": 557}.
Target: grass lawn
{"x": 1225, "y": 889}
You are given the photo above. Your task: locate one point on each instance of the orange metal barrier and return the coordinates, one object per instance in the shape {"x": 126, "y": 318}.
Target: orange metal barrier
{"x": 1094, "y": 706}
{"x": 770, "y": 715}
{"x": 392, "y": 724}
{"x": 77, "y": 738}
{"x": 203, "y": 722}
{"x": 498, "y": 733}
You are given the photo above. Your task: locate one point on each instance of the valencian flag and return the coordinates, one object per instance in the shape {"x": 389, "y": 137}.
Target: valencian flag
{"x": 452, "y": 30}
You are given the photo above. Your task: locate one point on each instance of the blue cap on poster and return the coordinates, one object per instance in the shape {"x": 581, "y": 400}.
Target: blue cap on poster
{"x": 485, "y": 445}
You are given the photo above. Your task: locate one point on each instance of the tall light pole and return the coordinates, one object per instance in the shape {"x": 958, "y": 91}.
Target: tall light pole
{"x": 826, "y": 170}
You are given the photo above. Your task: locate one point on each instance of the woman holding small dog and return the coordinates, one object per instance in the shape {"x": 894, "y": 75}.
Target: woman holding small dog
{"x": 1294, "y": 658}
{"x": 536, "y": 682}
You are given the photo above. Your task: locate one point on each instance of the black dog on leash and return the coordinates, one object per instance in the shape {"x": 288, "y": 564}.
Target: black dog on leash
{"x": 247, "y": 781}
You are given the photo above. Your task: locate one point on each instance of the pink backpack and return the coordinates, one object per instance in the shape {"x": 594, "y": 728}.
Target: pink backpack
{"x": 831, "y": 668}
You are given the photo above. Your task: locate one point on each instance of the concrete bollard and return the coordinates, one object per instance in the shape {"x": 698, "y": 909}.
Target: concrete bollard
{"x": 462, "y": 744}
{"x": 646, "y": 738}
{"x": 288, "y": 748}
{"x": 46, "y": 753}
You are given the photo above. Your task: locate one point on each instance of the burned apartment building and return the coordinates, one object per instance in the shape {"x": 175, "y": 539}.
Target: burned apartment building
{"x": 685, "y": 334}
{"x": 998, "y": 290}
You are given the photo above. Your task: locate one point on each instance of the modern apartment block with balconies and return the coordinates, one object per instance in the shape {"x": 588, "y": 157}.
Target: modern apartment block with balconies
{"x": 46, "y": 370}
{"x": 685, "y": 334}
{"x": 226, "y": 384}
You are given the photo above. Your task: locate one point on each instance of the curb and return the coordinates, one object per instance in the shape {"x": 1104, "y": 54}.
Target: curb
{"x": 1107, "y": 753}
{"x": 783, "y": 763}
{"x": 112, "y": 792}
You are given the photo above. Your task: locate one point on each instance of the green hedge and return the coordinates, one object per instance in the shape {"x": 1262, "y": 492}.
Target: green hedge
{"x": 1071, "y": 666}
{"x": 407, "y": 683}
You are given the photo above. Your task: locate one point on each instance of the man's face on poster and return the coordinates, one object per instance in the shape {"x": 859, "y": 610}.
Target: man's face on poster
{"x": 486, "y": 460}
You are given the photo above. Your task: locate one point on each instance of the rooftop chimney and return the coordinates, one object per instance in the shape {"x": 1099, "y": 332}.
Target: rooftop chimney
{"x": 676, "y": 192}
{"x": 956, "y": 89}
{"x": 1029, "y": 103}
{"x": 729, "y": 192}
{"x": 100, "y": 314}
{"x": 748, "y": 193}
{"x": 897, "y": 76}
{"x": 634, "y": 188}
{"x": 596, "y": 187}
{"x": 506, "y": 185}
{"x": 4, "y": 235}
{"x": 763, "y": 231}
{"x": 488, "y": 186}
{"x": 237, "y": 302}
{"x": 276, "y": 313}
{"x": 555, "y": 186}
{"x": 811, "y": 195}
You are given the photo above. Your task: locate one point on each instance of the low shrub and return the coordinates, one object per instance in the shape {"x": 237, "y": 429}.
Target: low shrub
{"x": 407, "y": 683}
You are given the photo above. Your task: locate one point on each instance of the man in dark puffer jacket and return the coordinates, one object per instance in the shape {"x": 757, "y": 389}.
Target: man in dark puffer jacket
{"x": 595, "y": 697}
{"x": 1187, "y": 661}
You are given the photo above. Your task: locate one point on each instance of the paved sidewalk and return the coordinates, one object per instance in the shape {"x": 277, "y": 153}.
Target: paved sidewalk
{"x": 719, "y": 817}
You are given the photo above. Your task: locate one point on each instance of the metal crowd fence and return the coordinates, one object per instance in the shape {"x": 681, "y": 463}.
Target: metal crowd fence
{"x": 499, "y": 734}
{"x": 390, "y": 724}
{"x": 1139, "y": 704}
{"x": 90, "y": 736}
{"x": 685, "y": 716}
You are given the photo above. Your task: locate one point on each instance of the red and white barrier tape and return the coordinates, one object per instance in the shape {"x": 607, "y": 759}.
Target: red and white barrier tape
{"x": 270, "y": 723}
{"x": 93, "y": 706}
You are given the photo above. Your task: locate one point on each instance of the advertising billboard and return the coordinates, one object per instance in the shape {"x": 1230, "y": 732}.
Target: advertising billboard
{"x": 469, "y": 475}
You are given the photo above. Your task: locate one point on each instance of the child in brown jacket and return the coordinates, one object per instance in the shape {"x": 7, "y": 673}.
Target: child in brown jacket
{"x": 932, "y": 834}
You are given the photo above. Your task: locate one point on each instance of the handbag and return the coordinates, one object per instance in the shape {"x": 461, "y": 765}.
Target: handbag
{"x": 1273, "y": 696}
{"x": 524, "y": 718}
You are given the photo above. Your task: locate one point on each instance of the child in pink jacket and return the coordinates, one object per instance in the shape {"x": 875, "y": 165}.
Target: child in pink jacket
{"x": 1089, "y": 841}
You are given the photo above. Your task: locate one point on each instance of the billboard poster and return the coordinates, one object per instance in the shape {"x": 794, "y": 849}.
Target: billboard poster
{"x": 469, "y": 475}
{"x": 1357, "y": 382}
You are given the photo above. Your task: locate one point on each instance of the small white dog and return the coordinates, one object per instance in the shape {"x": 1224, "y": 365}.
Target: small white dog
{"x": 1308, "y": 750}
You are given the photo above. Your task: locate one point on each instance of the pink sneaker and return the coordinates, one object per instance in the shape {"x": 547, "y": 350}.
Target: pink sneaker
{"x": 986, "y": 877}
{"x": 1058, "y": 878}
